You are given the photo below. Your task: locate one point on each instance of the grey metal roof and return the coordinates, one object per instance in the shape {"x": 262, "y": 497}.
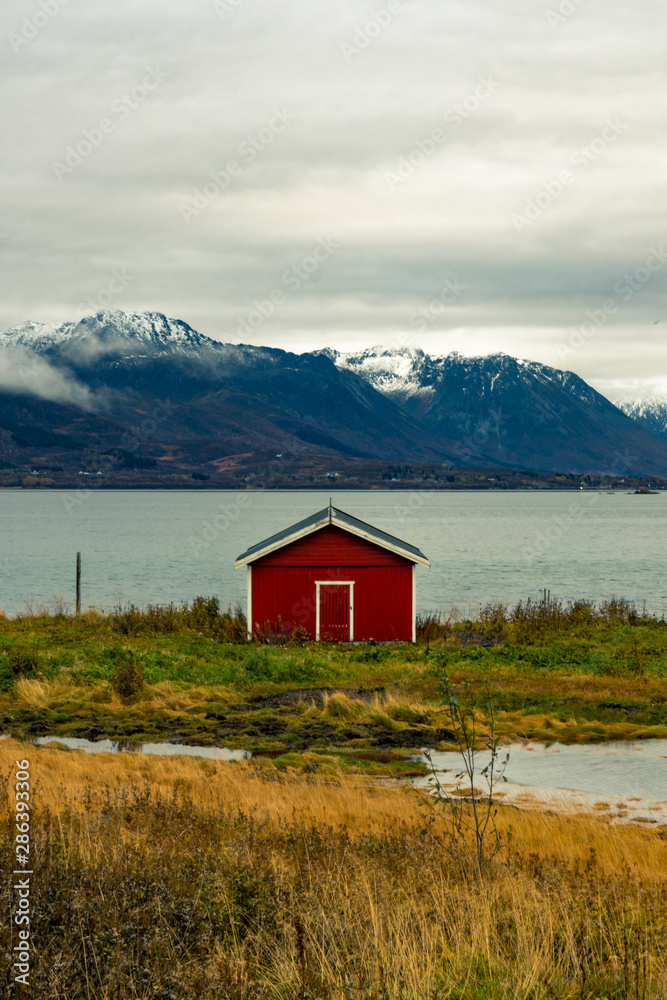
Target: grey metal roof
{"x": 338, "y": 518}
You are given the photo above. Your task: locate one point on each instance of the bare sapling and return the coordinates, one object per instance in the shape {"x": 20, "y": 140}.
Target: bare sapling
{"x": 471, "y": 811}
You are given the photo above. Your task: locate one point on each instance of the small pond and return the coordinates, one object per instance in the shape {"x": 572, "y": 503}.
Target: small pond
{"x": 158, "y": 749}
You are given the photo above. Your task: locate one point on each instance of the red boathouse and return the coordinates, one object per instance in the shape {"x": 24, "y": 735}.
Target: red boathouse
{"x": 341, "y": 579}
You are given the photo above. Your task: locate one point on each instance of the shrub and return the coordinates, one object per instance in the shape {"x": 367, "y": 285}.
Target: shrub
{"x": 232, "y": 626}
{"x": 431, "y": 628}
{"x": 280, "y": 633}
{"x": 128, "y": 677}
{"x": 23, "y": 662}
{"x": 494, "y": 617}
{"x": 619, "y": 611}
{"x": 203, "y": 616}
{"x": 204, "y": 612}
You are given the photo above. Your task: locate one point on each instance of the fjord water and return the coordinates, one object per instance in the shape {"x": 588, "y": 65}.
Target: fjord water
{"x": 157, "y": 547}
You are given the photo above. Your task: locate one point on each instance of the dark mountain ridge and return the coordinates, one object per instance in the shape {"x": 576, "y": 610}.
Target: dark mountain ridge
{"x": 520, "y": 414}
{"x": 221, "y": 401}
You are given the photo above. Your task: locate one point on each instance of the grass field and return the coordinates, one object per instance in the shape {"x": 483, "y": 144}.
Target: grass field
{"x": 306, "y": 874}
{"x": 186, "y": 878}
{"x": 578, "y": 674}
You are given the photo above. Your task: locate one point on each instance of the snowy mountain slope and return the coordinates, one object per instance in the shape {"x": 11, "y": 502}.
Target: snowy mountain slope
{"x": 263, "y": 398}
{"x": 405, "y": 372}
{"x": 378, "y": 403}
{"x": 518, "y": 412}
{"x": 107, "y": 328}
{"x": 399, "y": 373}
{"x": 650, "y": 413}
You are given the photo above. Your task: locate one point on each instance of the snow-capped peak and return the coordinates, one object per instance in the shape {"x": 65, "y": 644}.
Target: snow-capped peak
{"x": 393, "y": 371}
{"x": 651, "y": 412}
{"x": 36, "y": 335}
{"x": 149, "y": 327}
{"x": 108, "y": 332}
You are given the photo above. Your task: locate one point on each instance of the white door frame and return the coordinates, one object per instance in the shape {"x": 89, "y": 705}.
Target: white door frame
{"x": 333, "y": 583}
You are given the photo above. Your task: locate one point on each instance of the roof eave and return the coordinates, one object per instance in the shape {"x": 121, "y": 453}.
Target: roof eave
{"x": 381, "y": 543}
{"x": 281, "y": 543}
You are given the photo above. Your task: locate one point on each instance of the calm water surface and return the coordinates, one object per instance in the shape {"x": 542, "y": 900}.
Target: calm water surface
{"x": 154, "y": 547}
{"x": 616, "y": 768}
{"x": 154, "y": 749}
{"x": 629, "y": 777}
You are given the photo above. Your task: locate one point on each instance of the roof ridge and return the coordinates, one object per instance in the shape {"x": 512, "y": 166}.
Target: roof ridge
{"x": 344, "y": 521}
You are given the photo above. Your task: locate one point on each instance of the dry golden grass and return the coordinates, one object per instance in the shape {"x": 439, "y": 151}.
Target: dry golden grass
{"x": 188, "y": 878}
{"x": 563, "y": 684}
{"x": 359, "y": 805}
{"x": 38, "y": 694}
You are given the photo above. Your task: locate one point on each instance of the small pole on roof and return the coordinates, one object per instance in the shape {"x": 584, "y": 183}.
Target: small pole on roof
{"x": 330, "y": 511}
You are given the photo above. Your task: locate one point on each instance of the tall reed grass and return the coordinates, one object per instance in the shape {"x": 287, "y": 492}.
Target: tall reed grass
{"x": 181, "y": 878}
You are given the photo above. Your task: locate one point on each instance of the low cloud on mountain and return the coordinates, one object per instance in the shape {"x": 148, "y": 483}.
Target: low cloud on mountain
{"x": 21, "y": 371}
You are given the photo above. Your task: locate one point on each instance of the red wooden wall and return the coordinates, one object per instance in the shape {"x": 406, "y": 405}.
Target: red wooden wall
{"x": 283, "y": 584}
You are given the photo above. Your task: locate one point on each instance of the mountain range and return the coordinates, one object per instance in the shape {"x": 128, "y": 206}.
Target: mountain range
{"x": 151, "y": 391}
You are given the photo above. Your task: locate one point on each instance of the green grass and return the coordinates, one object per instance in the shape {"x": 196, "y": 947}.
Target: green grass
{"x": 569, "y": 674}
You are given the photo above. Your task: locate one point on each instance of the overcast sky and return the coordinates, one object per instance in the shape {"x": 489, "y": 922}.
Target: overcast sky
{"x": 486, "y": 176}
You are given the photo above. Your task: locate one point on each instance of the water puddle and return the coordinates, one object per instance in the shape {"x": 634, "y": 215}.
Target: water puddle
{"x": 158, "y": 749}
{"x": 624, "y": 780}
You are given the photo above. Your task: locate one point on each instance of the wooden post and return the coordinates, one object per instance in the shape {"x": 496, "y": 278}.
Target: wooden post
{"x": 78, "y": 583}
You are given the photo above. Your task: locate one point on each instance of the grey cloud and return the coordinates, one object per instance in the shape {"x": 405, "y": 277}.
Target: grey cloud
{"x": 325, "y": 173}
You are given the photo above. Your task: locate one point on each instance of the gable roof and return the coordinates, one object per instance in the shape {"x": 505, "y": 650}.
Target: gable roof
{"x": 338, "y": 519}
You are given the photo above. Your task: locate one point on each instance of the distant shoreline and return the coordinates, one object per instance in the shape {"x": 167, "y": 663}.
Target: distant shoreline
{"x": 330, "y": 488}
